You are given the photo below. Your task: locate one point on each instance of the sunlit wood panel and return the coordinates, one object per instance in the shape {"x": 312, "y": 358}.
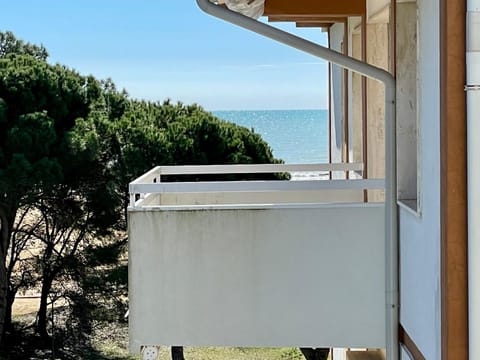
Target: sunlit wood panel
{"x": 305, "y": 8}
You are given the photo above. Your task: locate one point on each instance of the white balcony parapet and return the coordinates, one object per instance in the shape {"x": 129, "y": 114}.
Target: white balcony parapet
{"x": 256, "y": 263}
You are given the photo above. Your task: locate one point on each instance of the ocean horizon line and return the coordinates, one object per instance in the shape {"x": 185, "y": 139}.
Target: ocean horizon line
{"x": 237, "y": 110}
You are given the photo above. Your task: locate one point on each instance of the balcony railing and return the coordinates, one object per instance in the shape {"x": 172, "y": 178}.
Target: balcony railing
{"x": 310, "y": 183}
{"x": 256, "y": 263}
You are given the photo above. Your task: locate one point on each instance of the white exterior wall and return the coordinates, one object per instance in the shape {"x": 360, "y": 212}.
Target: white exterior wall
{"x": 420, "y": 307}
{"x": 355, "y": 109}
{"x": 336, "y": 101}
{"x": 407, "y": 82}
{"x": 378, "y": 55}
{"x": 310, "y": 276}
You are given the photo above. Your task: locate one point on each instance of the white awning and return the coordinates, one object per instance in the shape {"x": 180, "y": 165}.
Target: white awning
{"x": 250, "y": 8}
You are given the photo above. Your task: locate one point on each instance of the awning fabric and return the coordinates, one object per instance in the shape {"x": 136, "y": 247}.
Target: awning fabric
{"x": 251, "y": 8}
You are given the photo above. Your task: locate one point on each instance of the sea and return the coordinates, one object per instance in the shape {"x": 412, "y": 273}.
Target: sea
{"x": 295, "y": 136}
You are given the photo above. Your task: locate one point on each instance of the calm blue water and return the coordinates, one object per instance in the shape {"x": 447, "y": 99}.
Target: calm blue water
{"x": 295, "y": 136}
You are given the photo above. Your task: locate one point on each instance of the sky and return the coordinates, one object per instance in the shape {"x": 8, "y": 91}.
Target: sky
{"x": 159, "y": 49}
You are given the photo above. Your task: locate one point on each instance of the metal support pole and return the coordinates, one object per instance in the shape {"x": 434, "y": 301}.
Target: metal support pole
{"x": 391, "y": 217}
{"x": 473, "y": 188}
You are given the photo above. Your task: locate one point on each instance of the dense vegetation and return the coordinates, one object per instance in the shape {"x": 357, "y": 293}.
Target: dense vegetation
{"x": 69, "y": 146}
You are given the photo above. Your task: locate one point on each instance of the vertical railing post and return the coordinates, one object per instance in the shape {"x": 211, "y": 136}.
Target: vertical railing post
{"x": 391, "y": 224}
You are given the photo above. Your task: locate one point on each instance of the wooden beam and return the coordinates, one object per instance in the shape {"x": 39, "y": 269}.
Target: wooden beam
{"x": 317, "y": 7}
{"x": 453, "y": 194}
{"x": 409, "y": 344}
{"x": 305, "y": 24}
{"x": 309, "y": 18}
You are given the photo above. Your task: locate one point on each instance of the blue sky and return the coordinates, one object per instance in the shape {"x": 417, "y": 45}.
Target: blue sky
{"x": 159, "y": 49}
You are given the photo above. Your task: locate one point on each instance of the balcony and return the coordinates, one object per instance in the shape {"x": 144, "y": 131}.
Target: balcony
{"x": 257, "y": 263}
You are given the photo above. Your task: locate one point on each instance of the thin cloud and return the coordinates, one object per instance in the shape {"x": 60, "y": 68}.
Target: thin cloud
{"x": 272, "y": 66}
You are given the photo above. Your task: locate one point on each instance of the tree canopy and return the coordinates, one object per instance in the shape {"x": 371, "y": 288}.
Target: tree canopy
{"x": 69, "y": 146}
{"x": 9, "y": 44}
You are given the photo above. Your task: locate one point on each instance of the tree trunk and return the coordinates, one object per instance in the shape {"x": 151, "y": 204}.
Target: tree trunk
{"x": 315, "y": 354}
{"x": 177, "y": 353}
{"x": 42, "y": 310}
{"x": 3, "y": 294}
{"x": 8, "y": 311}
{"x": 4, "y": 242}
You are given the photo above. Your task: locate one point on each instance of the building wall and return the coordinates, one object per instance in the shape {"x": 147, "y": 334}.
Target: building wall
{"x": 355, "y": 96}
{"x": 420, "y": 228}
{"x": 378, "y": 55}
{"x": 420, "y": 306}
{"x": 337, "y": 100}
{"x": 407, "y": 82}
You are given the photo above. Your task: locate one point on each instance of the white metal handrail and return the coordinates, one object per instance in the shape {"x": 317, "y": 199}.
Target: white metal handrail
{"x": 243, "y": 169}
{"x": 150, "y": 182}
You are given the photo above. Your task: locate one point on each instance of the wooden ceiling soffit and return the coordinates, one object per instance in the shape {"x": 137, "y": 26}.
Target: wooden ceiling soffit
{"x": 302, "y": 9}
{"x": 322, "y": 25}
{"x": 309, "y": 19}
